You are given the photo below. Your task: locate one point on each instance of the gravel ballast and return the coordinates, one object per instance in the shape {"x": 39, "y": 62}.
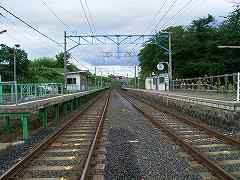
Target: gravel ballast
{"x": 20, "y": 150}
{"x": 137, "y": 150}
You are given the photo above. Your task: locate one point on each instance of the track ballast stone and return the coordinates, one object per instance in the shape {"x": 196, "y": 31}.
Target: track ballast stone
{"x": 137, "y": 150}
{"x": 21, "y": 150}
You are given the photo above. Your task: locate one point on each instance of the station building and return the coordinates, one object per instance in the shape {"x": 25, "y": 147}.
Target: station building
{"x": 77, "y": 81}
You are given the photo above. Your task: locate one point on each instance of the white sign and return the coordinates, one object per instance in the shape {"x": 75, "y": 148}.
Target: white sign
{"x": 160, "y": 67}
{"x": 166, "y": 79}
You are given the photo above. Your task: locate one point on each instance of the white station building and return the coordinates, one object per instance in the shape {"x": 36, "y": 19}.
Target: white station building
{"x": 77, "y": 81}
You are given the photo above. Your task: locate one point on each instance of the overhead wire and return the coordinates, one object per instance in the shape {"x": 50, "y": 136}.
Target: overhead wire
{"x": 79, "y": 62}
{"x": 86, "y": 17}
{"x": 156, "y": 15}
{"x": 165, "y": 14}
{"x": 30, "y": 26}
{"x": 179, "y": 12}
{"x": 60, "y": 20}
{"x": 90, "y": 17}
{"x": 153, "y": 20}
{"x": 12, "y": 25}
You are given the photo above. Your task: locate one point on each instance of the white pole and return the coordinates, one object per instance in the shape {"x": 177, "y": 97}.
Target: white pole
{"x": 238, "y": 86}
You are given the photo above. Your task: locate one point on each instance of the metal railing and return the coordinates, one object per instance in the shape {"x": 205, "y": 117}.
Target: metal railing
{"x": 11, "y": 93}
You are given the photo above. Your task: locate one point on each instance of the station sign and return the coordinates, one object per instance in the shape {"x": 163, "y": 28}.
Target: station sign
{"x": 160, "y": 66}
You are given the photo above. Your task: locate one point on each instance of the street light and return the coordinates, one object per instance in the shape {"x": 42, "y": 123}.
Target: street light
{"x": 1, "y": 32}
{"x": 15, "y": 71}
{"x": 229, "y": 47}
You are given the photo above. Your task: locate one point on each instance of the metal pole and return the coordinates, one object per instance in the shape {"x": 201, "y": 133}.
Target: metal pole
{"x": 135, "y": 76}
{"x": 101, "y": 79}
{"x": 15, "y": 75}
{"x": 238, "y": 86}
{"x": 170, "y": 61}
{"x": 65, "y": 57}
{"x": 95, "y": 77}
{"x": 138, "y": 77}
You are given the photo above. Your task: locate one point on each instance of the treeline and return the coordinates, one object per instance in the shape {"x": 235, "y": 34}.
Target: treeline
{"x": 195, "y": 48}
{"x": 39, "y": 70}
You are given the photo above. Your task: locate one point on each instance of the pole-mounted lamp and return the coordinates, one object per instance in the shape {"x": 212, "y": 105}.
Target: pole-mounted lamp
{"x": 1, "y": 32}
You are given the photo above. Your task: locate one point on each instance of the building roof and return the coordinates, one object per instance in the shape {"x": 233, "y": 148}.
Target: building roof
{"x": 78, "y": 72}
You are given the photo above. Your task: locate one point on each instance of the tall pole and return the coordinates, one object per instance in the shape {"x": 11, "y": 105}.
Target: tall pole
{"x": 101, "y": 79}
{"x": 238, "y": 86}
{"x": 135, "y": 76}
{"x": 14, "y": 65}
{"x": 15, "y": 75}
{"x": 65, "y": 57}
{"x": 170, "y": 61}
{"x": 95, "y": 73}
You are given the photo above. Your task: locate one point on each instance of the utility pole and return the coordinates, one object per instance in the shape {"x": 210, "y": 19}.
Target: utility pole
{"x": 101, "y": 80}
{"x": 170, "y": 62}
{"x": 95, "y": 73}
{"x": 65, "y": 57}
{"x": 135, "y": 76}
{"x": 238, "y": 86}
{"x": 15, "y": 72}
{"x": 138, "y": 77}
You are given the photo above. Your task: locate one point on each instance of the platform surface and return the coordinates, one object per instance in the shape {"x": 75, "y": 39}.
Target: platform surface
{"x": 39, "y": 104}
{"x": 216, "y": 100}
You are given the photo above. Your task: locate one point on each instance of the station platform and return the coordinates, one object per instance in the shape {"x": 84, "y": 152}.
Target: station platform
{"x": 58, "y": 106}
{"x": 211, "y": 99}
{"x": 220, "y": 113}
{"x": 31, "y": 106}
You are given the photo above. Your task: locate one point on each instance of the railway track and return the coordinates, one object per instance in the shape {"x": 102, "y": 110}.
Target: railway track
{"x": 211, "y": 149}
{"x": 75, "y": 151}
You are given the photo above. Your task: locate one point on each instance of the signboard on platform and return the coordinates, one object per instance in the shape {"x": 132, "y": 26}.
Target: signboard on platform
{"x": 160, "y": 67}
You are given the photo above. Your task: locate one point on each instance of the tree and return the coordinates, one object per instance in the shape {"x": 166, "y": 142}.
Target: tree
{"x": 45, "y": 70}
{"x": 195, "y": 48}
{"x": 60, "y": 59}
{"x": 7, "y": 61}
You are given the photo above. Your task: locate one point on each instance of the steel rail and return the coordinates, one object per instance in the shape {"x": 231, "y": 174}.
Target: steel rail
{"x": 94, "y": 142}
{"x": 203, "y": 127}
{"x": 42, "y": 146}
{"x": 203, "y": 159}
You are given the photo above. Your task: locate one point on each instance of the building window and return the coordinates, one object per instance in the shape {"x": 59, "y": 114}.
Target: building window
{"x": 71, "y": 80}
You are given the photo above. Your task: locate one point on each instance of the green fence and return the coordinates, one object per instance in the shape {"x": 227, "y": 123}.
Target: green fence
{"x": 11, "y": 93}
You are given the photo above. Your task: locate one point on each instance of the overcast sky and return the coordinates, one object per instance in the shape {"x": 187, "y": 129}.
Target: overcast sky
{"x": 109, "y": 17}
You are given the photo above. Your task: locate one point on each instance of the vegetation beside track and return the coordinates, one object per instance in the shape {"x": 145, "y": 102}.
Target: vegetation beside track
{"x": 195, "y": 48}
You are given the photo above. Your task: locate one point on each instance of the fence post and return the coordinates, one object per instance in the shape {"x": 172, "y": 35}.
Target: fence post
{"x": 238, "y": 86}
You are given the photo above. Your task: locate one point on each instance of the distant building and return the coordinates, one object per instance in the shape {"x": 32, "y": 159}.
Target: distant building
{"x": 77, "y": 81}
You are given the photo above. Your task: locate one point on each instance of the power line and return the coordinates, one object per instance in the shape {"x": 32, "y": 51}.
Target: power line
{"x": 79, "y": 62}
{"x": 54, "y": 14}
{"x": 179, "y": 12}
{"x": 85, "y": 14}
{"x": 168, "y": 10}
{"x": 29, "y": 37}
{"x": 30, "y": 26}
{"x": 156, "y": 15}
{"x": 90, "y": 16}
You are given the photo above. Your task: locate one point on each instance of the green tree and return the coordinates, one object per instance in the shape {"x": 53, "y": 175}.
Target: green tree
{"x": 60, "y": 59}
{"x": 7, "y": 61}
{"x": 195, "y": 48}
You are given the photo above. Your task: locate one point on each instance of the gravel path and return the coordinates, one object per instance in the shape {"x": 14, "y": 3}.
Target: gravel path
{"x": 139, "y": 151}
